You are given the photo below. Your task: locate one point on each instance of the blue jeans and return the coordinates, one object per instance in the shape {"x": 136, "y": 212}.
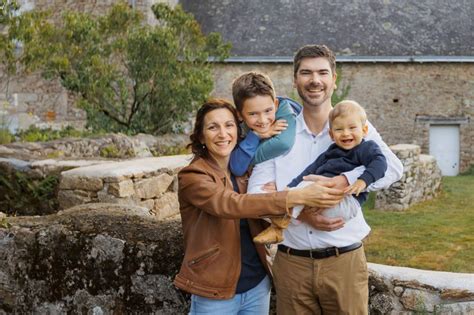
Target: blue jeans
{"x": 255, "y": 301}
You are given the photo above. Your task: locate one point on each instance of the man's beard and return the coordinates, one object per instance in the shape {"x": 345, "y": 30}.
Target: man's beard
{"x": 309, "y": 101}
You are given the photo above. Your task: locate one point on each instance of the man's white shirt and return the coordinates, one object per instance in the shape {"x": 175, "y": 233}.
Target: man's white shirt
{"x": 306, "y": 149}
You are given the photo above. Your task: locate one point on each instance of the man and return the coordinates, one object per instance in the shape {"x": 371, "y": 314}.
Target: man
{"x": 320, "y": 268}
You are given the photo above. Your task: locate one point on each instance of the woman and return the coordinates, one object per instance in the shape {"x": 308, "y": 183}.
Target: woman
{"x": 225, "y": 272}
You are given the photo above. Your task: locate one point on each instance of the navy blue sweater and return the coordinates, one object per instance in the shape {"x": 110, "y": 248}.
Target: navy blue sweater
{"x": 252, "y": 270}
{"x": 336, "y": 160}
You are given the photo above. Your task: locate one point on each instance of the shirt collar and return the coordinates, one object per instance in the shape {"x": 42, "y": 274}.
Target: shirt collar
{"x": 302, "y": 127}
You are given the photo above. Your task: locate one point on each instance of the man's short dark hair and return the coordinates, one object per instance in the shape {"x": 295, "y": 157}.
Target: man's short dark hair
{"x": 314, "y": 51}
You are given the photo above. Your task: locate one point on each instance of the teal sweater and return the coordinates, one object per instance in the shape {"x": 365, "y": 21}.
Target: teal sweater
{"x": 251, "y": 150}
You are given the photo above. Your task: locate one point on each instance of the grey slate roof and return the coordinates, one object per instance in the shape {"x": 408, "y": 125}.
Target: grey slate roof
{"x": 349, "y": 27}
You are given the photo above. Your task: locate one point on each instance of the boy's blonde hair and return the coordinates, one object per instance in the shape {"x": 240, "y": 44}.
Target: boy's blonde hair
{"x": 346, "y": 108}
{"x": 249, "y": 85}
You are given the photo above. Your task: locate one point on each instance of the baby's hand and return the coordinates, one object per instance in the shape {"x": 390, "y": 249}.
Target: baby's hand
{"x": 275, "y": 129}
{"x": 356, "y": 188}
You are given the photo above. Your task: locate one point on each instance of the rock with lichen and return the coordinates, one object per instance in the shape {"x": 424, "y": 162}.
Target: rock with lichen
{"x": 95, "y": 259}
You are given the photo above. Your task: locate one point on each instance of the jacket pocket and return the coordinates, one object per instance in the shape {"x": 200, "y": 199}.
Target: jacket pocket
{"x": 209, "y": 253}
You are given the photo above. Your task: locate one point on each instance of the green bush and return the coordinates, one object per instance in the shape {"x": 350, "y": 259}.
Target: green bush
{"x": 22, "y": 195}
{"x": 35, "y": 134}
{"x": 129, "y": 76}
{"x": 5, "y": 136}
{"x": 4, "y": 223}
{"x": 110, "y": 151}
{"x": 339, "y": 94}
{"x": 469, "y": 172}
{"x": 170, "y": 150}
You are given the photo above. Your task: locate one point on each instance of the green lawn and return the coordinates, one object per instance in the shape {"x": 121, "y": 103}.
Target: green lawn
{"x": 436, "y": 234}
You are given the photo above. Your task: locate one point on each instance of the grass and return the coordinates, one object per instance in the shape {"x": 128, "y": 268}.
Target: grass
{"x": 435, "y": 235}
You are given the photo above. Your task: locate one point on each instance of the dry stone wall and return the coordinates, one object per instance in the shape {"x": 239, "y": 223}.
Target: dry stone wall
{"x": 421, "y": 180}
{"x": 107, "y": 146}
{"x": 150, "y": 183}
{"x": 400, "y": 290}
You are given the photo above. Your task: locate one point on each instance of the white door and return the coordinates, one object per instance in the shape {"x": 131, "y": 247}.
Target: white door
{"x": 444, "y": 146}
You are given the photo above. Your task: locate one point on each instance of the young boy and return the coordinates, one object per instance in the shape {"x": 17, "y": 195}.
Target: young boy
{"x": 347, "y": 128}
{"x": 269, "y": 122}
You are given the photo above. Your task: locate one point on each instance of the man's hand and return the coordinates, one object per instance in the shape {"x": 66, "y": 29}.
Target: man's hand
{"x": 269, "y": 187}
{"x": 312, "y": 217}
{"x": 356, "y": 188}
{"x": 339, "y": 182}
{"x": 275, "y": 129}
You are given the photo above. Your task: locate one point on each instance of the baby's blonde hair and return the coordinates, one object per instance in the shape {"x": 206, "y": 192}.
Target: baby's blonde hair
{"x": 346, "y": 108}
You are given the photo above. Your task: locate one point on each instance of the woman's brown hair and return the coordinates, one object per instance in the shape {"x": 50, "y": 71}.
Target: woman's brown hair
{"x": 196, "y": 146}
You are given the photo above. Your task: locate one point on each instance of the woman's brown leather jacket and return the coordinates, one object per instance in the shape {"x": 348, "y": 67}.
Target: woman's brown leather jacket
{"x": 210, "y": 212}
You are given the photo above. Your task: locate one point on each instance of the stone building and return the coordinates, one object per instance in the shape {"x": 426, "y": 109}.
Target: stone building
{"x": 409, "y": 63}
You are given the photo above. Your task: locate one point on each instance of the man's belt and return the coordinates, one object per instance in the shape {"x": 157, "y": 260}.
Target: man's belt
{"x": 319, "y": 253}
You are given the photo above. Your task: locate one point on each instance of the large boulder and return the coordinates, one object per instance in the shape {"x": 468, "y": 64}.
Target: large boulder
{"x": 90, "y": 259}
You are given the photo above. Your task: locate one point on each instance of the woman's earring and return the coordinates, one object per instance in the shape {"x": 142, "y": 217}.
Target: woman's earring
{"x": 203, "y": 145}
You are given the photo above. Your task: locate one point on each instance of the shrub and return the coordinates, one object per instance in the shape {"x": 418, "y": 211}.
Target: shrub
{"x": 22, "y": 195}
{"x": 110, "y": 151}
{"x": 5, "y": 136}
{"x": 339, "y": 94}
{"x": 128, "y": 76}
{"x": 35, "y": 134}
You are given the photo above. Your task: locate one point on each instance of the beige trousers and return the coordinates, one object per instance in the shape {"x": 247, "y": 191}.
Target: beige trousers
{"x": 333, "y": 285}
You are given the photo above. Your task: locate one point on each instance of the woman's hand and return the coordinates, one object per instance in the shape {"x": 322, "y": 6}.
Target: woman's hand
{"x": 339, "y": 181}
{"x": 319, "y": 194}
{"x": 275, "y": 129}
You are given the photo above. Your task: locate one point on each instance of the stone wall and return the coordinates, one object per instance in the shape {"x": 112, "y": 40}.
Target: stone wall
{"x": 29, "y": 172}
{"x": 116, "y": 145}
{"x": 394, "y": 95}
{"x": 400, "y": 290}
{"x": 111, "y": 259}
{"x": 150, "y": 183}
{"x": 146, "y": 182}
{"x": 421, "y": 180}
{"x": 35, "y": 101}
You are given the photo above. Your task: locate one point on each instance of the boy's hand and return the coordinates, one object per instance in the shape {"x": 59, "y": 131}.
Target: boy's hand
{"x": 356, "y": 188}
{"x": 275, "y": 129}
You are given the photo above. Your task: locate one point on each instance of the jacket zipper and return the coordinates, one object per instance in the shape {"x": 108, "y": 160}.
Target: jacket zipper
{"x": 204, "y": 256}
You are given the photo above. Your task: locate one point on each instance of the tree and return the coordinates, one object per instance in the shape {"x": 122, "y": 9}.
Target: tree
{"x": 8, "y": 21}
{"x": 339, "y": 94}
{"x": 129, "y": 76}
